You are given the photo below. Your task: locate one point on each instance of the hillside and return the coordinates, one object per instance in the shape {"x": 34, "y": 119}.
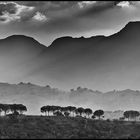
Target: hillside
{"x": 40, "y": 127}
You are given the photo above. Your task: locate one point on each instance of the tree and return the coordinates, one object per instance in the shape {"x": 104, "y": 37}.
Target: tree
{"x": 93, "y": 117}
{"x": 58, "y": 113}
{"x": 1, "y": 108}
{"x": 6, "y": 108}
{"x": 126, "y": 115}
{"x": 48, "y": 108}
{"x": 45, "y": 109}
{"x": 58, "y": 108}
{"x": 42, "y": 109}
{"x": 98, "y": 113}
{"x": 134, "y": 114}
{"x": 54, "y": 108}
{"x": 88, "y": 111}
{"x": 80, "y": 111}
{"x": 66, "y": 114}
{"x": 22, "y": 108}
{"x": 71, "y": 109}
{"x": 131, "y": 114}
{"x": 14, "y": 108}
{"x": 63, "y": 109}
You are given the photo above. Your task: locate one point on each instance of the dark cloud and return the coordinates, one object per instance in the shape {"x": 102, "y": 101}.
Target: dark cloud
{"x": 53, "y": 9}
{"x": 49, "y": 5}
{"x": 96, "y": 8}
{"x": 8, "y": 7}
{"x": 2, "y": 19}
{"x": 11, "y": 11}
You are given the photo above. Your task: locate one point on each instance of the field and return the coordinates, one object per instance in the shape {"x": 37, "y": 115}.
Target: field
{"x": 54, "y": 127}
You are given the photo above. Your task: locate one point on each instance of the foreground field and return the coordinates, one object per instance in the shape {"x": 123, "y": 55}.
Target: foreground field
{"x": 40, "y": 127}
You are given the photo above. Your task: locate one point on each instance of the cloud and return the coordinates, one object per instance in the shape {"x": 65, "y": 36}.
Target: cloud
{"x": 84, "y": 4}
{"x": 9, "y": 7}
{"x": 11, "y": 11}
{"x": 23, "y": 8}
{"x": 7, "y": 17}
{"x": 26, "y": 11}
{"x": 49, "y": 5}
{"x": 95, "y": 8}
{"x": 124, "y": 4}
{"x": 39, "y": 17}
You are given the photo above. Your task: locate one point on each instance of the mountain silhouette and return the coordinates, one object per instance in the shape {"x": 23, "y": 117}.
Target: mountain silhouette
{"x": 16, "y": 53}
{"x": 97, "y": 62}
{"x": 111, "y": 62}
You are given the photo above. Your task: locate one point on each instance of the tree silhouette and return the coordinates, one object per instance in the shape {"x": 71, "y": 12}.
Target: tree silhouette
{"x": 63, "y": 109}
{"x": 73, "y": 109}
{"x": 1, "y": 108}
{"x": 6, "y": 108}
{"x": 93, "y": 117}
{"x": 135, "y": 114}
{"x": 58, "y": 113}
{"x": 98, "y": 113}
{"x": 22, "y": 108}
{"x": 48, "y": 108}
{"x": 54, "y": 108}
{"x": 126, "y": 115}
{"x": 88, "y": 111}
{"x": 66, "y": 114}
{"x": 70, "y": 109}
{"x": 58, "y": 108}
{"x": 131, "y": 114}
{"x": 14, "y": 108}
{"x": 43, "y": 109}
{"x": 80, "y": 111}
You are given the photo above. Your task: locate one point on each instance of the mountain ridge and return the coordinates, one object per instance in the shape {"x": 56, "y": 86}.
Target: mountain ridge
{"x": 128, "y": 26}
{"x": 79, "y": 89}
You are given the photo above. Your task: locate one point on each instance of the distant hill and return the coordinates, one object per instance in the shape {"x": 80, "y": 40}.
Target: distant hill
{"x": 34, "y": 97}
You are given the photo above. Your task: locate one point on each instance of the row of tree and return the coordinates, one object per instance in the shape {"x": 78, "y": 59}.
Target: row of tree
{"x": 64, "y": 111}
{"x": 13, "y": 108}
{"x": 71, "y": 111}
{"x": 131, "y": 115}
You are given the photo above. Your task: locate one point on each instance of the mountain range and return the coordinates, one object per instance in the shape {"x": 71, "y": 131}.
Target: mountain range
{"x": 98, "y": 62}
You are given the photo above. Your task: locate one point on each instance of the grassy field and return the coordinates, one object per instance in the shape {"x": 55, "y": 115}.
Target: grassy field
{"x": 40, "y": 127}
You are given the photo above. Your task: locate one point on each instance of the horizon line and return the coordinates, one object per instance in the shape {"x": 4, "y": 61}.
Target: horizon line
{"x": 82, "y": 36}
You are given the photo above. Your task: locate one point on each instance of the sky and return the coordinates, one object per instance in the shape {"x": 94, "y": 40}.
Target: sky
{"x": 48, "y": 20}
